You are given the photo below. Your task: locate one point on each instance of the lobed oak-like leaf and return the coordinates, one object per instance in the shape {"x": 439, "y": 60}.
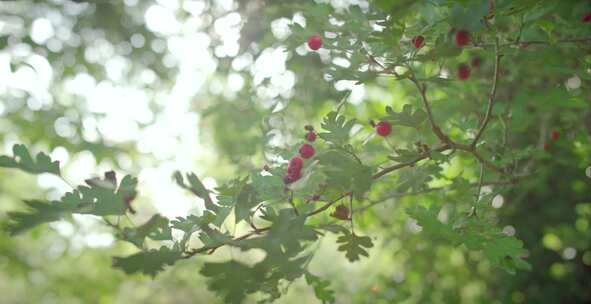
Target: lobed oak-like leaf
{"x": 338, "y": 128}
{"x": 354, "y": 246}
{"x": 148, "y": 262}
{"x": 23, "y": 160}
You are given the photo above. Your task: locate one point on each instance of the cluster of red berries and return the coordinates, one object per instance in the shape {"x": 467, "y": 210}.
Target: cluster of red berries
{"x": 462, "y": 39}
{"x": 296, "y": 163}
{"x": 554, "y": 136}
{"x": 586, "y": 18}
{"x": 464, "y": 70}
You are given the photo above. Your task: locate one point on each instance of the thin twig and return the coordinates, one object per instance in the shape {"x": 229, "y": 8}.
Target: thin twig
{"x": 66, "y": 181}
{"x": 295, "y": 210}
{"x": 429, "y": 190}
{"x": 423, "y": 91}
{"x": 491, "y": 95}
{"x": 410, "y": 163}
{"x": 211, "y": 249}
{"x": 327, "y": 205}
{"x": 351, "y": 215}
{"x": 534, "y": 42}
{"x": 343, "y": 101}
{"x": 480, "y": 181}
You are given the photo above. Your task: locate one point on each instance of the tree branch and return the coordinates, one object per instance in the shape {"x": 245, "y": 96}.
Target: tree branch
{"x": 410, "y": 163}
{"x": 211, "y": 249}
{"x": 423, "y": 91}
{"x": 491, "y": 95}
{"x": 536, "y": 42}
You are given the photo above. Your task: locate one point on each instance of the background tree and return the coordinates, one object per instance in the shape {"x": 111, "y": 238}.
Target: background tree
{"x": 349, "y": 151}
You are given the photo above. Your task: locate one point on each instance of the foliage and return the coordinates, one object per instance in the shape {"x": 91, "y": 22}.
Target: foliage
{"x": 426, "y": 198}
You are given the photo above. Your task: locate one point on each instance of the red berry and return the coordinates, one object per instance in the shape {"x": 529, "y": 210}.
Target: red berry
{"x": 293, "y": 170}
{"x": 296, "y": 163}
{"x": 476, "y": 61}
{"x": 292, "y": 177}
{"x": 307, "y": 151}
{"x": 311, "y": 136}
{"x": 418, "y": 41}
{"x": 462, "y": 38}
{"x": 383, "y": 128}
{"x": 463, "y": 72}
{"x": 555, "y": 135}
{"x": 315, "y": 42}
{"x": 586, "y": 18}
{"x": 547, "y": 146}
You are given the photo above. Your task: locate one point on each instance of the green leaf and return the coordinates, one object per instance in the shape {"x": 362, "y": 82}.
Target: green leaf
{"x": 406, "y": 117}
{"x": 214, "y": 238}
{"x": 432, "y": 227}
{"x": 197, "y": 188}
{"x": 354, "y": 246}
{"x": 268, "y": 187}
{"x": 148, "y": 262}
{"x": 39, "y": 212}
{"x": 157, "y": 228}
{"x": 194, "y": 185}
{"x": 286, "y": 236}
{"x": 23, "y": 160}
{"x": 192, "y": 222}
{"x": 476, "y": 234}
{"x": 468, "y": 15}
{"x": 245, "y": 201}
{"x": 337, "y": 127}
{"x": 416, "y": 178}
{"x": 502, "y": 250}
{"x": 102, "y": 196}
{"x": 404, "y": 156}
{"x": 321, "y": 290}
{"x": 345, "y": 172}
{"x": 232, "y": 280}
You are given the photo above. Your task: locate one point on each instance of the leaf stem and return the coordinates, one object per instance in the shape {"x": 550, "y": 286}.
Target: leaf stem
{"x": 351, "y": 213}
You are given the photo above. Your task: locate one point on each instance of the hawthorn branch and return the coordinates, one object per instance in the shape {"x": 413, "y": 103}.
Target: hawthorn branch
{"x": 383, "y": 172}
{"x": 392, "y": 168}
{"x": 295, "y": 209}
{"x": 327, "y": 205}
{"x": 480, "y": 182}
{"x": 423, "y": 91}
{"x": 351, "y": 211}
{"x": 538, "y": 42}
{"x": 448, "y": 144}
{"x": 491, "y": 95}
{"x": 430, "y": 190}
{"x": 488, "y": 164}
{"x": 525, "y": 43}
{"x": 212, "y": 249}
